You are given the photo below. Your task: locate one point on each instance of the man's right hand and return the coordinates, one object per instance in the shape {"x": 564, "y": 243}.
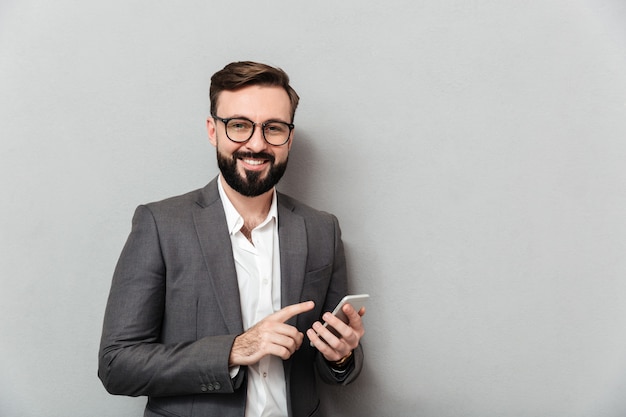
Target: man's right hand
{"x": 270, "y": 336}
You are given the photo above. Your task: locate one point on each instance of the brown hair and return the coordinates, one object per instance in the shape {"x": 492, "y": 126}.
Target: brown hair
{"x": 237, "y": 75}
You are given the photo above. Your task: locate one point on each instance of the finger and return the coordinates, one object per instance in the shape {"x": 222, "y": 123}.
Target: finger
{"x": 280, "y": 351}
{"x": 269, "y": 330}
{"x": 314, "y": 338}
{"x": 347, "y": 333}
{"x": 290, "y": 343}
{"x": 355, "y": 322}
{"x": 286, "y": 345}
{"x": 339, "y": 325}
{"x": 288, "y": 312}
{"x": 320, "y": 344}
{"x": 316, "y": 341}
{"x": 328, "y": 336}
{"x": 351, "y": 313}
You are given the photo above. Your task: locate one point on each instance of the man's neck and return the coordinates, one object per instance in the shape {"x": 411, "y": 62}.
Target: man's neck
{"x": 253, "y": 209}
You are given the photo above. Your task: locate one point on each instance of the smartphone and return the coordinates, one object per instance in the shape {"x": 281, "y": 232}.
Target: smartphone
{"x": 357, "y": 301}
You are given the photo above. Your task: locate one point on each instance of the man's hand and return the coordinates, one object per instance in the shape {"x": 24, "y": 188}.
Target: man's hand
{"x": 270, "y": 336}
{"x": 332, "y": 347}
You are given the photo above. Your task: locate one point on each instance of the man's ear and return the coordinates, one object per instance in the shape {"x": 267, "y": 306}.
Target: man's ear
{"x": 211, "y": 131}
{"x": 291, "y": 135}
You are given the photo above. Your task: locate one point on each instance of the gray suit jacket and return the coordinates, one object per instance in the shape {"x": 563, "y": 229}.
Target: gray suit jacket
{"x": 173, "y": 310}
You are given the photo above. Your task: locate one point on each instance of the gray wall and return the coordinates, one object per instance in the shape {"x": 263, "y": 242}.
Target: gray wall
{"x": 473, "y": 151}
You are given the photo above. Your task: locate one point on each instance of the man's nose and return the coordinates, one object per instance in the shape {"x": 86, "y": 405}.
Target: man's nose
{"x": 257, "y": 142}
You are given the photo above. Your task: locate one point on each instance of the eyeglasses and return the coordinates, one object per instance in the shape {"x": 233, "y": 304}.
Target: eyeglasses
{"x": 240, "y": 129}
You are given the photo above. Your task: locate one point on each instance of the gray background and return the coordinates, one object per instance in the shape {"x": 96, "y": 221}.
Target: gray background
{"x": 473, "y": 151}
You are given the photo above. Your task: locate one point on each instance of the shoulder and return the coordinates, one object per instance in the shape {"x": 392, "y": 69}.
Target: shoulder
{"x": 184, "y": 203}
{"x": 175, "y": 201}
{"x": 177, "y": 215}
{"x": 299, "y": 207}
{"x": 310, "y": 214}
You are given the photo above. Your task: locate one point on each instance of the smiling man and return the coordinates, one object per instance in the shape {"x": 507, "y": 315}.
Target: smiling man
{"x": 216, "y": 300}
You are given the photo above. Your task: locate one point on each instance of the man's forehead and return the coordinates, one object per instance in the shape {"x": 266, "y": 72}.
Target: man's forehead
{"x": 273, "y": 99}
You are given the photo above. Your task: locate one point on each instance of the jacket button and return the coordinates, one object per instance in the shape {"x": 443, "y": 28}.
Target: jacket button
{"x": 217, "y": 386}
{"x": 211, "y": 387}
{"x": 203, "y": 388}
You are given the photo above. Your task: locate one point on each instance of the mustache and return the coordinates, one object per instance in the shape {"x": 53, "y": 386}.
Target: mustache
{"x": 254, "y": 155}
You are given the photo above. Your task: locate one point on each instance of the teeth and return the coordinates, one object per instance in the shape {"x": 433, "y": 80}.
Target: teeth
{"x": 252, "y": 161}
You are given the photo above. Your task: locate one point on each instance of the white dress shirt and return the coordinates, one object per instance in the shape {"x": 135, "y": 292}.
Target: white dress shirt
{"x": 258, "y": 275}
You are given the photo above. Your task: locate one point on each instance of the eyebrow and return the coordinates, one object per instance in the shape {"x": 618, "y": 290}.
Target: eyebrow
{"x": 241, "y": 116}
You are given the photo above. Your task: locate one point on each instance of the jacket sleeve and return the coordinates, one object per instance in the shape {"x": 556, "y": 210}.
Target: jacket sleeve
{"x": 132, "y": 359}
{"x": 337, "y": 289}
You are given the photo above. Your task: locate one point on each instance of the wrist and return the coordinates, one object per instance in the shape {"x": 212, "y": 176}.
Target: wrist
{"x": 343, "y": 362}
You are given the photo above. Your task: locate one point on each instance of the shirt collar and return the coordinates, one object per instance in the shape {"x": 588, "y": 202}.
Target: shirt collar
{"x": 234, "y": 220}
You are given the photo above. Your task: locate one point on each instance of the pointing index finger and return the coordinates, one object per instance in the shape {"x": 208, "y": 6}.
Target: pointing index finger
{"x": 288, "y": 312}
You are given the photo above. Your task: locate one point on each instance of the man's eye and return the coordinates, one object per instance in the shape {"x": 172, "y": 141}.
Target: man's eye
{"x": 239, "y": 125}
{"x": 276, "y": 128}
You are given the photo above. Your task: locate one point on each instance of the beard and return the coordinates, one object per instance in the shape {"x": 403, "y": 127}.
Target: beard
{"x": 250, "y": 185}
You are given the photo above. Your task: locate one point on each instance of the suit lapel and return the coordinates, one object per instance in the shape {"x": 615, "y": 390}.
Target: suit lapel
{"x": 210, "y": 222}
{"x": 293, "y": 254}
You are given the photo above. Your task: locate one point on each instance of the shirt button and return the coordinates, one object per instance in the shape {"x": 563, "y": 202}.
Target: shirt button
{"x": 264, "y": 281}
{"x": 264, "y": 374}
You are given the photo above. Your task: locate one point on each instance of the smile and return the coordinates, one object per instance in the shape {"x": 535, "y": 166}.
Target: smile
{"x": 254, "y": 161}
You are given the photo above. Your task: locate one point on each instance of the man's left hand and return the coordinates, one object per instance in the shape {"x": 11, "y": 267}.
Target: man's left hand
{"x": 332, "y": 347}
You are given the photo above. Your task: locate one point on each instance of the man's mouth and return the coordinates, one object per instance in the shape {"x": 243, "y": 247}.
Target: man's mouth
{"x": 254, "y": 159}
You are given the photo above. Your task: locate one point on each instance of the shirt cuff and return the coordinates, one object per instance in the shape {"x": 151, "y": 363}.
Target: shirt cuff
{"x": 233, "y": 371}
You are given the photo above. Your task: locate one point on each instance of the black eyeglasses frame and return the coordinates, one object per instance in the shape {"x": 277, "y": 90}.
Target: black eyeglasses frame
{"x": 254, "y": 125}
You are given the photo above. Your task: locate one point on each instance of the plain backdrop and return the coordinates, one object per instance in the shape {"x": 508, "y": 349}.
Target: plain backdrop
{"x": 473, "y": 150}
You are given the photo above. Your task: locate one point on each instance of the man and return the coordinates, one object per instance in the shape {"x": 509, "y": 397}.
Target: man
{"x": 214, "y": 289}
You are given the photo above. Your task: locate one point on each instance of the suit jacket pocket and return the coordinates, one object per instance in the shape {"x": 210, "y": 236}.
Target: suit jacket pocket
{"x": 316, "y": 284}
{"x": 323, "y": 273}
